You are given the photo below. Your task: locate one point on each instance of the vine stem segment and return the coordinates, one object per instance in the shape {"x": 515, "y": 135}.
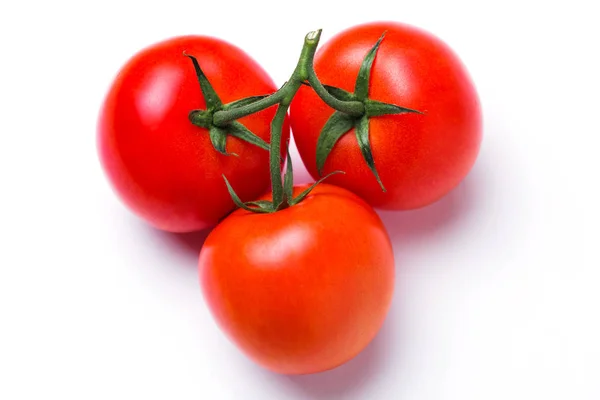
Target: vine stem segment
{"x": 352, "y": 111}
{"x": 304, "y": 71}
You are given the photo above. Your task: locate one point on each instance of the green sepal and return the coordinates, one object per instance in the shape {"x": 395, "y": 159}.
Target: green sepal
{"x": 218, "y": 138}
{"x": 210, "y": 96}
{"x": 244, "y": 102}
{"x": 337, "y": 92}
{"x": 374, "y": 108}
{"x": 337, "y": 125}
{"x": 238, "y": 130}
{"x": 361, "y": 88}
{"x": 288, "y": 180}
{"x": 264, "y": 204}
{"x": 307, "y": 191}
{"x": 238, "y": 202}
{"x": 362, "y": 135}
{"x": 340, "y": 93}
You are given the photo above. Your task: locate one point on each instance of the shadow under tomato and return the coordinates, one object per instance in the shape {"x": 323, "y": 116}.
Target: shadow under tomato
{"x": 191, "y": 242}
{"x": 184, "y": 246}
{"x": 406, "y": 227}
{"x": 350, "y": 378}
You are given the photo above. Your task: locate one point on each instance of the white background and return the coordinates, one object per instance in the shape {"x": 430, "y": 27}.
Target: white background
{"x": 497, "y": 291}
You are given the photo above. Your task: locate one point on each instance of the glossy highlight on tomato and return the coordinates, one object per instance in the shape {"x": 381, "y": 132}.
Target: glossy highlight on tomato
{"x": 303, "y": 289}
{"x": 160, "y": 165}
{"x": 419, "y": 157}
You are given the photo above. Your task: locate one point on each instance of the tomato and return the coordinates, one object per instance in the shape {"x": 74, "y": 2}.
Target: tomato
{"x": 303, "y": 289}
{"x": 419, "y": 157}
{"x": 164, "y": 168}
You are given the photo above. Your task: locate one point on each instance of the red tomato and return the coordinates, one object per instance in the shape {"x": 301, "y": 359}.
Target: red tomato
{"x": 420, "y": 158}
{"x": 304, "y": 289}
{"x": 163, "y": 167}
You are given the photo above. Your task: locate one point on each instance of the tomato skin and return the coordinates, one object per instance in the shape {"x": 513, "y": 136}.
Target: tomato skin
{"x": 160, "y": 165}
{"x": 420, "y": 158}
{"x": 304, "y": 289}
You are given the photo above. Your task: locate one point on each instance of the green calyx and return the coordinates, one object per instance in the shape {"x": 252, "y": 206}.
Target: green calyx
{"x": 342, "y": 121}
{"x": 205, "y": 118}
{"x": 287, "y": 193}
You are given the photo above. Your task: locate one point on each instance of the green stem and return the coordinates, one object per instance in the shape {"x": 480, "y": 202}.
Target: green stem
{"x": 304, "y": 72}
{"x": 283, "y": 97}
{"x": 223, "y": 117}
{"x": 276, "y": 133}
{"x": 288, "y": 91}
{"x": 307, "y": 55}
{"x": 353, "y": 108}
{"x": 201, "y": 118}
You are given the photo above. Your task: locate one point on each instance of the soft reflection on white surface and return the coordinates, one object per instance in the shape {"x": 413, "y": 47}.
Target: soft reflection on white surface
{"x": 158, "y": 94}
